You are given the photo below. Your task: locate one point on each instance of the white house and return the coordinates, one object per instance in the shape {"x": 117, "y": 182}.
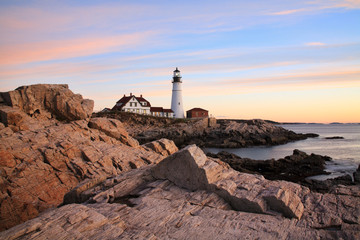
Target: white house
{"x": 133, "y": 104}
{"x": 141, "y": 106}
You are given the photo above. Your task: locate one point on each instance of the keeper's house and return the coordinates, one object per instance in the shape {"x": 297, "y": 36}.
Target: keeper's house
{"x": 140, "y": 105}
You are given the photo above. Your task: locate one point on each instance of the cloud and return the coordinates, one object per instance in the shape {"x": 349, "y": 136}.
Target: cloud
{"x": 315, "y": 44}
{"x": 288, "y": 12}
{"x": 70, "y": 48}
{"x": 348, "y": 4}
{"x": 316, "y": 6}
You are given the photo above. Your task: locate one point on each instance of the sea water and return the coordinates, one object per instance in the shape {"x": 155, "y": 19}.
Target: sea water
{"x": 344, "y": 152}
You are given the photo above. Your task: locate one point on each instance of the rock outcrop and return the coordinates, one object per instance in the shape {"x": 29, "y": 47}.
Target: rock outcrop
{"x": 243, "y": 133}
{"x": 148, "y": 203}
{"x": 42, "y": 159}
{"x": 49, "y": 100}
{"x": 163, "y": 146}
{"x": 206, "y": 132}
{"x": 295, "y": 168}
{"x": 191, "y": 169}
{"x": 113, "y": 128}
{"x": 39, "y": 167}
{"x": 17, "y": 120}
{"x": 335, "y": 137}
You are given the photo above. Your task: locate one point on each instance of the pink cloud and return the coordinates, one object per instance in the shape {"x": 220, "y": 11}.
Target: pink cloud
{"x": 56, "y": 49}
{"x": 349, "y": 4}
{"x": 315, "y": 44}
{"x": 288, "y": 12}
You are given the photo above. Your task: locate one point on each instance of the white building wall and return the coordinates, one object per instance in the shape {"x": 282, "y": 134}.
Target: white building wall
{"x": 135, "y": 107}
{"x": 169, "y": 115}
{"x": 176, "y": 100}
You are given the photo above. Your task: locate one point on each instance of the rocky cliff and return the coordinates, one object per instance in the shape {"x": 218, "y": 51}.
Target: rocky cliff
{"x": 191, "y": 196}
{"x": 207, "y": 132}
{"x": 43, "y": 158}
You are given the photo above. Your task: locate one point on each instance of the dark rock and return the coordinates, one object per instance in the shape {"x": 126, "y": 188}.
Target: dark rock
{"x": 357, "y": 175}
{"x": 327, "y": 185}
{"x": 294, "y": 168}
{"x": 311, "y": 135}
{"x": 335, "y": 137}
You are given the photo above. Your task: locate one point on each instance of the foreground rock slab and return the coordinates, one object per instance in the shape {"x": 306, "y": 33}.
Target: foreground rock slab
{"x": 135, "y": 205}
{"x": 191, "y": 169}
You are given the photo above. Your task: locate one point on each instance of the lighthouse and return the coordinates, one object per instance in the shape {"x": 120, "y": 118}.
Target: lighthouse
{"x": 176, "y": 100}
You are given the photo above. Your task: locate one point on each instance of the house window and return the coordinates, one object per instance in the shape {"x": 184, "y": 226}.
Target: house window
{"x": 135, "y": 104}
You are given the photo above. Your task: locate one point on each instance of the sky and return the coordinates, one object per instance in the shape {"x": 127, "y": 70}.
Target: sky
{"x": 287, "y": 61}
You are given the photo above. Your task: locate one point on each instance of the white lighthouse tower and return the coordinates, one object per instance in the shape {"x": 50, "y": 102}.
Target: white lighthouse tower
{"x": 176, "y": 100}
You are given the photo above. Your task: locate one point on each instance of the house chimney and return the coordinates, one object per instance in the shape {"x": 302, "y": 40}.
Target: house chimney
{"x": 130, "y": 94}
{"x": 140, "y": 95}
{"x": 124, "y": 95}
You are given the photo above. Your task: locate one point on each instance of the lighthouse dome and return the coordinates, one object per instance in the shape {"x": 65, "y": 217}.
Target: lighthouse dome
{"x": 177, "y": 75}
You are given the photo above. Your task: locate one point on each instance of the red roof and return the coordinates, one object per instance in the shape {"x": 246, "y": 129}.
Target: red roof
{"x": 125, "y": 99}
{"x": 197, "y": 110}
{"x": 141, "y": 99}
{"x": 160, "y": 109}
{"x": 156, "y": 109}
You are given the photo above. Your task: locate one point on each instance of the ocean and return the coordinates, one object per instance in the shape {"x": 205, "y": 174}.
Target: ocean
{"x": 344, "y": 152}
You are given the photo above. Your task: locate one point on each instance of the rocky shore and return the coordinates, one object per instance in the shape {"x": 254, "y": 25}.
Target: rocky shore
{"x": 294, "y": 168}
{"x": 206, "y": 132}
{"x": 65, "y": 174}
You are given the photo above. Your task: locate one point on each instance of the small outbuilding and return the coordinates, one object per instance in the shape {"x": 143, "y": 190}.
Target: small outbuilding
{"x": 197, "y": 113}
{"x": 161, "y": 112}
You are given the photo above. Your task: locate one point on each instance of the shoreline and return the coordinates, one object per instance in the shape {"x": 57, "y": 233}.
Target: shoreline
{"x": 300, "y": 167}
{"x": 59, "y": 159}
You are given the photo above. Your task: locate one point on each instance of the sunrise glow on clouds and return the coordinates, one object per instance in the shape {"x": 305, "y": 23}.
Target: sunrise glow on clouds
{"x": 278, "y": 60}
